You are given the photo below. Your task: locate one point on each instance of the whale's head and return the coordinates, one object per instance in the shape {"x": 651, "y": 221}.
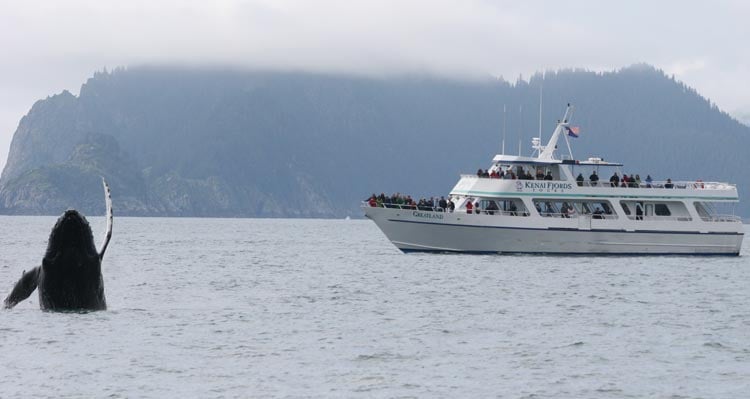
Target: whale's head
{"x": 71, "y": 242}
{"x": 70, "y": 277}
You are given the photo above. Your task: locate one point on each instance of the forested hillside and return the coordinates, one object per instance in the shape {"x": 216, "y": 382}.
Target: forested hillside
{"x": 182, "y": 142}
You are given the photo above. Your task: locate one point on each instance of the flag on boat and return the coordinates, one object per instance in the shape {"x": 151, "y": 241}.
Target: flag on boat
{"x": 573, "y": 131}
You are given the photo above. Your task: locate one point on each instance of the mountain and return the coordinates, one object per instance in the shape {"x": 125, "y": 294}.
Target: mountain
{"x": 743, "y": 117}
{"x": 227, "y": 143}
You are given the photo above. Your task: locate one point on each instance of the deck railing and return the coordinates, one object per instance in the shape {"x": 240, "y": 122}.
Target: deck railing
{"x": 694, "y": 185}
{"x": 594, "y": 216}
{"x": 654, "y": 218}
{"x": 439, "y": 209}
{"x": 565, "y": 215}
{"x": 711, "y": 219}
{"x": 722, "y": 218}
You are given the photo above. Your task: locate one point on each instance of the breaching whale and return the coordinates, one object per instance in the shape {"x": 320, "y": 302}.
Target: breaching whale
{"x": 70, "y": 277}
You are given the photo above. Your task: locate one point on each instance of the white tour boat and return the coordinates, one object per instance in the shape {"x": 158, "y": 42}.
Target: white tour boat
{"x": 564, "y": 211}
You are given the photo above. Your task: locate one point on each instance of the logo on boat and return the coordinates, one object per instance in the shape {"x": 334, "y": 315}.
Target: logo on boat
{"x": 427, "y": 215}
{"x": 544, "y": 187}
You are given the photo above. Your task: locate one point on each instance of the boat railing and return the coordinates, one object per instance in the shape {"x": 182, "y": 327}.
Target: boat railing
{"x": 491, "y": 212}
{"x": 692, "y": 185}
{"x": 712, "y": 218}
{"x": 494, "y": 212}
{"x": 602, "y": 216}
{"x": 654, "y": 218}
{"x": 405, "y": 207}
{"x": 722, "y": 218}
{"x": 439, "y": 209}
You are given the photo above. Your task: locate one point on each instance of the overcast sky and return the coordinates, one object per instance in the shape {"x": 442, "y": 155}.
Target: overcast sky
{"x": 49, "y": 46}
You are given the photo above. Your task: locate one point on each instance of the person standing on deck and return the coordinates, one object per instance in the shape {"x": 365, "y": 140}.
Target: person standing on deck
{"x": 594, "y": 178}
{"x": 614, "y": 181}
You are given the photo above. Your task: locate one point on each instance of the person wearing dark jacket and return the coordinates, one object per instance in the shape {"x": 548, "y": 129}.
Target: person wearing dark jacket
{"x": 594, "y": 178}
{"x": 614, "y": 180}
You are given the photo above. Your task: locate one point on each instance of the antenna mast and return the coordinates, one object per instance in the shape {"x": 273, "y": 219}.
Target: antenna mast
{"x": 520, "y": 132}
{"x": 541, "y": 86}
{"x": 504, "y": 119}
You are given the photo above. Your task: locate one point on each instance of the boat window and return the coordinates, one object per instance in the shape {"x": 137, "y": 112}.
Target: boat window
{"x": 702, "y": 211}
{"x": 606, "y": 210}
{"x": 662, "y": 210}
{"x": 506, "y": 207}
{"x": 488, "y": 206}
{"x": 625, "y": 208}
{"x": 598, "y": 209}
{"x": 553, "y": 170}
{"x": 645, "y": 210}
{"x": 567, "y": 208}
{"x": 717, "y": 211}
{"x": 548, "y": 207}
{"x": 462, "y": 205}
{"x": 498, "y": 206}
{"x": 531, "y": 172}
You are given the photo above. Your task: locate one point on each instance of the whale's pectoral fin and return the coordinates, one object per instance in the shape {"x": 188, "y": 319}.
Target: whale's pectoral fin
{"x": 108, "y": 233}
{"x": 23, "y": 288}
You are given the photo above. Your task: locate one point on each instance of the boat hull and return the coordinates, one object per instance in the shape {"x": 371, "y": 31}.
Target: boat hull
{"x": 428, "y": 231}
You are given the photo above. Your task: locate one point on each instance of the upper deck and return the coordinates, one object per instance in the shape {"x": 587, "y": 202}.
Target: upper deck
{"x": 472, "y": 185}
{"x": 519, "y": 176}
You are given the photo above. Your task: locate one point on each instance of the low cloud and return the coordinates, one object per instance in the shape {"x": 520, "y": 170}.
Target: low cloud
{"x": 49, "y": 45}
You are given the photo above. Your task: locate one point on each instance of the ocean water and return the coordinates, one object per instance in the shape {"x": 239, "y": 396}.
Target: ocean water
{"x": 329, "y": 308}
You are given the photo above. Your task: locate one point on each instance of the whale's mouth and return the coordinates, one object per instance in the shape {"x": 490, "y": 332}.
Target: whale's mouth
{"x": 72, "y": 216}
{"x": 71, "y": 233}
{"x": 72, "y": 225}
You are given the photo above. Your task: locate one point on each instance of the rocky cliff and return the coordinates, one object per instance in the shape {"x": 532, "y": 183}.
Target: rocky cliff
{"x": 179, "y": 142}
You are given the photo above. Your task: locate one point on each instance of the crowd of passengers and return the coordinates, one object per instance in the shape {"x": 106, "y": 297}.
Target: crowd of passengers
{"x": 472, "y": 207}
{"x": 447, "y": 205}
{"x": 435, "y": 204}
{"x": 510, "y": 174}
{"x": 632, "y": 181}
{"x": 407, "y": 202}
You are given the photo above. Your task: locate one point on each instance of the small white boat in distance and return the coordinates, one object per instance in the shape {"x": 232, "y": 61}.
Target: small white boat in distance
{"x": 545, "y": 205}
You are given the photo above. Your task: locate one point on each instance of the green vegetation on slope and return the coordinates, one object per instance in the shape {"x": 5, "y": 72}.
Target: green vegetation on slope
{"x": 229, "y": 143}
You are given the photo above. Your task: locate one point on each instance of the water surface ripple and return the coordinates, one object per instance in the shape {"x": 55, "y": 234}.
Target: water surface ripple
{"x": 329, "y": 308}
